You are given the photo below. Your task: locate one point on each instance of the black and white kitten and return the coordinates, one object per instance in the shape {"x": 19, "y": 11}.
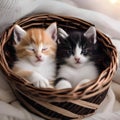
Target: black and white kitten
{"x": 76, "y": 58}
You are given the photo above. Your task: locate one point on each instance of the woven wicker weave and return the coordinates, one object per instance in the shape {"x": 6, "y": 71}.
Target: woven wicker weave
{"x": 75, "y": 103}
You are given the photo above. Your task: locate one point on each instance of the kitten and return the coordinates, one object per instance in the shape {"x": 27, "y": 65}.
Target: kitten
{"x": 75, "y": 57}
{"x": 36, "y": 53}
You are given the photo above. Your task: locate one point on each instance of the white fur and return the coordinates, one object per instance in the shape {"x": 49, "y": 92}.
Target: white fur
{"x": 63, "y": 84}
{"x": 78, "y": 54}
{"x": 42, "y": 72}
{"x": 77, "y": 75}
{"x": 38, "y": 80}
{"x": 71, "y": 60}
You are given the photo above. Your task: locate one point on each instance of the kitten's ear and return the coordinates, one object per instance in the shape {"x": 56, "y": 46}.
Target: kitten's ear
{"x": 91, "y": 34}
{"x": 62, "y": 33}
{"x": 19, "y": 33}
{"x": 52, "y": 31}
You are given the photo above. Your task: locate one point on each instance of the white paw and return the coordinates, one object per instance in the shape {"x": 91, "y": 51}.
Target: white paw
{"x": 39, "y": 81}
{"x": 84, "y": 81}
{"x": 63, "y": 84}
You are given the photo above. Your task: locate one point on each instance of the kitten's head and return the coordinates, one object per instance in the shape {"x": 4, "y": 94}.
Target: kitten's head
{"x": 36, "y": 45}
{"x": 76, "y": 48}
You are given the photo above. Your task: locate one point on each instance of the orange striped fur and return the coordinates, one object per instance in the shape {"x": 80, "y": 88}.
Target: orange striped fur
{"x": 36, "y": 37}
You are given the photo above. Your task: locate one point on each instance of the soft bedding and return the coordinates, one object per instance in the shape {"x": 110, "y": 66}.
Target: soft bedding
{"x": 12, "y": 10}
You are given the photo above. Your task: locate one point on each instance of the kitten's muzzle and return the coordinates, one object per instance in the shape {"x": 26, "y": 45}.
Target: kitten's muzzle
{"x": 77, "y": 60}
{"x": 39, "y": 58}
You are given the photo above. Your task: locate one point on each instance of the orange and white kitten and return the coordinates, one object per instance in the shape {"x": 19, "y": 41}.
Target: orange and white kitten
{"x": 36, "y": 52}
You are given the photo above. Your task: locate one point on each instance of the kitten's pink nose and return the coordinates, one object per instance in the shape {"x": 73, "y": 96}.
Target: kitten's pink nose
{"x": 39, "y": 58}
{"x": 77, "y": 60}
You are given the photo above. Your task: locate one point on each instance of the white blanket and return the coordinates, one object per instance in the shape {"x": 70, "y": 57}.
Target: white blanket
{"x": 12, "y": 10}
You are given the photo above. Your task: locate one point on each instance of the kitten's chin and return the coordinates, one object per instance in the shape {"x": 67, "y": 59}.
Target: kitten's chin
{"x": 77, "y": 65}
{"x": 38, "y": 61}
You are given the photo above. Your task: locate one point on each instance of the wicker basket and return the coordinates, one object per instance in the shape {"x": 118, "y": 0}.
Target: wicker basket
{"x": 66, "y": 104}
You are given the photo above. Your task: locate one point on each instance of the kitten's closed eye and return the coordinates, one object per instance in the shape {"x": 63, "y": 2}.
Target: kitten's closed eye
{"x": 30, "y": 49}
{"x": 44, "y": 49}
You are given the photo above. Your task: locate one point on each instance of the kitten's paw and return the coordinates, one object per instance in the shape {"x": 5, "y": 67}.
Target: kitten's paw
{"x": 39, "y": 81}
{"x": 63, "y": 84}
{"x": 84, "y": 81}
